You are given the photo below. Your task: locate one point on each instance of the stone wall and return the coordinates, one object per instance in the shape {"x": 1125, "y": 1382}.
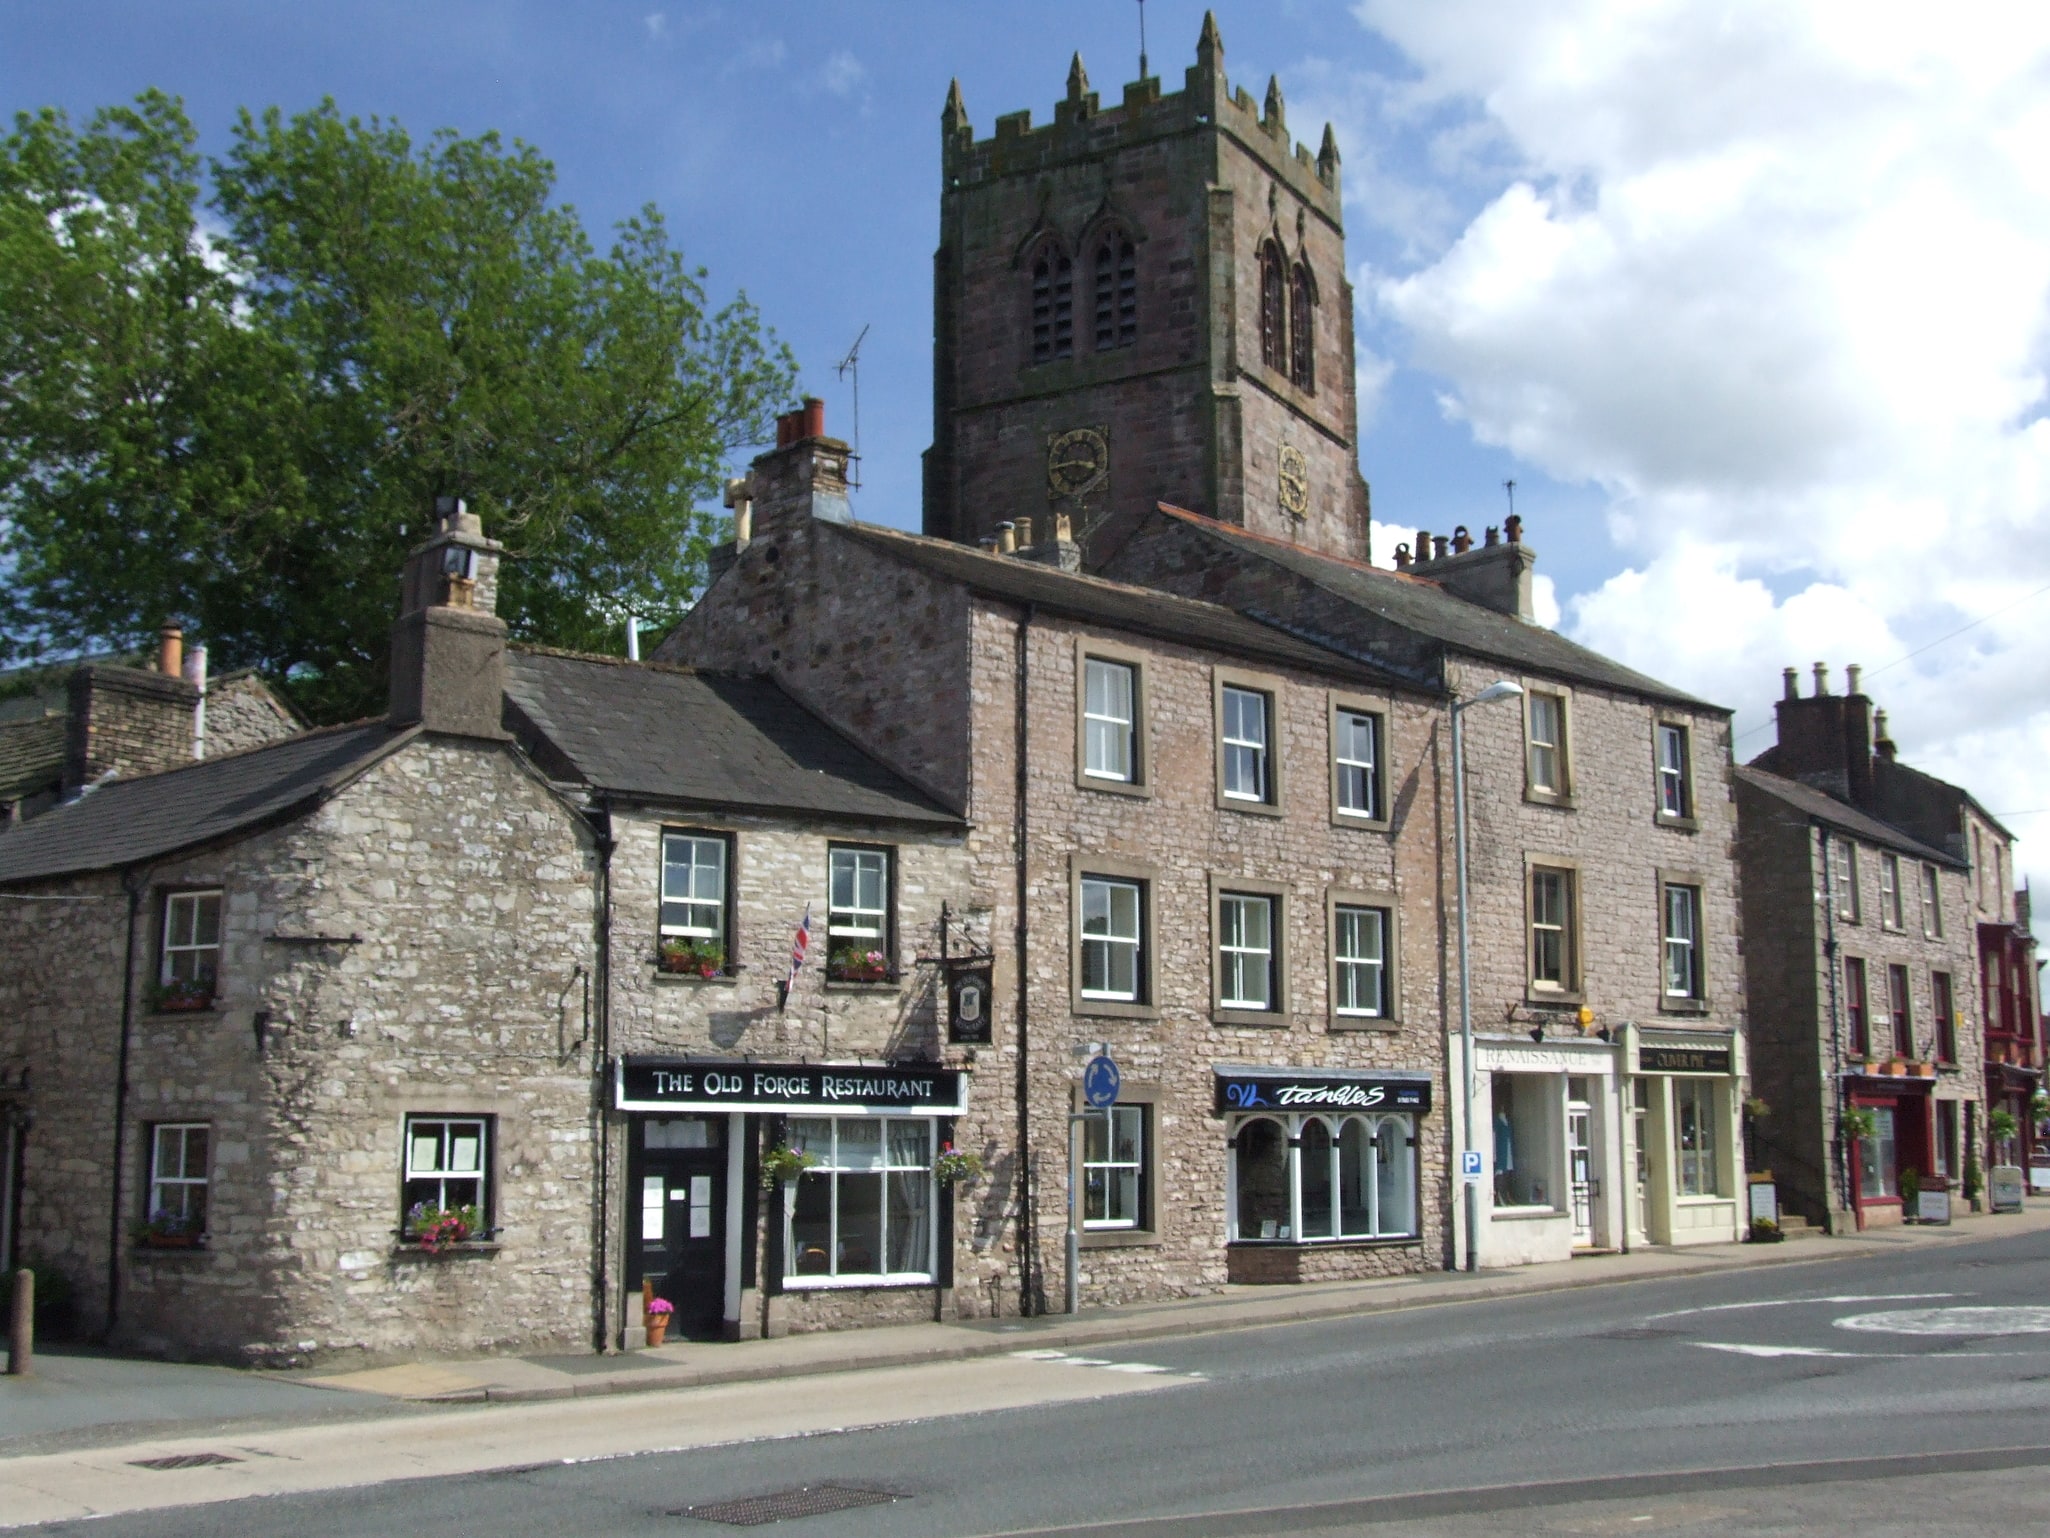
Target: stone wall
{"x": 412, "y": 946}
{"x": 242, "y": 712}
{"x": 126, "y": 722}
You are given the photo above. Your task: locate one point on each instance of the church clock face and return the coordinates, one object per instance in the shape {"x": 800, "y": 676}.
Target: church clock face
{"x": 1295, "y": 482}
{"x": 1077, "y": 461}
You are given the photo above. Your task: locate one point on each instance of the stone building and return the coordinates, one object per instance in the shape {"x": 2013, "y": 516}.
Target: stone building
{"x": 1608, "y": 991}
{"x": 1140, "y": 302}
{"x": 1197, "y": 844}
{"x": 1865, "y": 905}
{"x": 271, "y": 1020}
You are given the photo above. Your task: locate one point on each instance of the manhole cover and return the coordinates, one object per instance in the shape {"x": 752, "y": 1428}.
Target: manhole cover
{"x": 784, "y": 1505}
{"x": 2021, "y": 1320}
{"x": 184, "y": 1461}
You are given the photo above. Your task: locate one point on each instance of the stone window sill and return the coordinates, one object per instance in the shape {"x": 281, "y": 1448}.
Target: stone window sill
{"x": 170, "y": 1251}
{"x": 446, "y": 1252}
{"x": 881, "y": 985}
{"x": 1120, "y": 1239}
{"x": 159, "y": 1015}
{"x": 691, "y": 979}
{"x": 1141, "y": 790}
{"x": 1250, "y": 808}
{"x": 1111, "y": 1009}
{"x": 1672, "y": 1006}
{"x": 1382, "y": 1242}
{"x": 1364, "y": 1023}
{"x": 1561, "y": 800}
{"x": 1678, "y": 824}
{"x": 1359, "y": 821}
{"x": 1258, "y": 1019}
{"x": 1526, "y": 1214}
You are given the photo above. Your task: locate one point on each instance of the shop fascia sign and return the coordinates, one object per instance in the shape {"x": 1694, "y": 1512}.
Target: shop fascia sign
{"x": 825, "y": 1089}
{"x": 1715, "y": 1060}
{"x": 1312, "y": 1089}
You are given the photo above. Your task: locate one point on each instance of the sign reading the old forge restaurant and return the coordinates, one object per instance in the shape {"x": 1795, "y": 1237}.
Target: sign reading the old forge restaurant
{"x": 1286, "y": 1090}
{"x": 668, "y": 1084}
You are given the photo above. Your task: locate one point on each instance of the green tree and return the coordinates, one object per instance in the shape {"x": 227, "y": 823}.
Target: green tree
{"x": 242, "y": 423}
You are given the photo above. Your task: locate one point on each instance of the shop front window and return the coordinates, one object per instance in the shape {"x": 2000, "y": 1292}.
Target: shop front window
{"x": 1353, "y": 1178}
{"x": 1877, "y": 1174}
{"x": 1526, "y": 1137}
{"x": 864, "y": 1211}
{"x": 1694, "y": 1137}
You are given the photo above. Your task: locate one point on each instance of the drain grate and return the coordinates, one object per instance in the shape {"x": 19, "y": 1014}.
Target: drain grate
{"x": 184, "y": 1461}
{"x": 784, "y": 1505}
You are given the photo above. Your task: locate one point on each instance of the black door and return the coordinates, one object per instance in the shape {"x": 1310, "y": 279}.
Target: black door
{"x": 679, "y": 1230}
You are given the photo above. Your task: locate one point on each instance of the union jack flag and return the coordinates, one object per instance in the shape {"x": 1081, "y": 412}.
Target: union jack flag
{"x": 798, "y": 947}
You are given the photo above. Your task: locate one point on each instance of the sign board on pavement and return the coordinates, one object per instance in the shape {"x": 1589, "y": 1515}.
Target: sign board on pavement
{"x": 2004, "y": 1188}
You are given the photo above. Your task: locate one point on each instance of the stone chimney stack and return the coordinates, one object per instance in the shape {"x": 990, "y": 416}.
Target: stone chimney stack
{"x": 1826, "y": 740}
{"x": 123, "y": 722}
{"x": 804, "y": 476}
{"x": 1495, "y": 576}
{"x": 448, "y": 647}
{"x": 1049, "y": 541}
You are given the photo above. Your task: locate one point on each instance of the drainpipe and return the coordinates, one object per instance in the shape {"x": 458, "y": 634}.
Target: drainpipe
{"x": 1836, "y": 1025}
{"x": 134, "y": 886}
{"x": 1031, "y": 1283}
{"x": 601, "y": 1065}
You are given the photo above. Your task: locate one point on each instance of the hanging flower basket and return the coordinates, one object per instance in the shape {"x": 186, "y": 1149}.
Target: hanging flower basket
{"x": 784, "y": 1163}
{"x": 1857, "y": 1122}
{"x": 691, "y": 958}
{"x": 953, "y": 1167}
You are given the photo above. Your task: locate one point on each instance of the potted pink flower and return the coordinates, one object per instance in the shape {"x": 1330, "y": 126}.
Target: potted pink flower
{"x": 659, "y": 1312}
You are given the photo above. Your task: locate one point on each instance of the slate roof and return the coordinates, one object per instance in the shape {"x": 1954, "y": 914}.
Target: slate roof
{"x": 1823, "y": 807}
{"x": 715, "y": 739}
{"x": 1420, "y": 605}
{"x": 126, "y": 821}
{"x": 1144, "y": 610}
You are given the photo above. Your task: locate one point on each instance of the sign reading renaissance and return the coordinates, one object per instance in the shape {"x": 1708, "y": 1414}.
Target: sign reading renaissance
{"x": 1310, "y": 1089}
{"x": 832, "y": 1089}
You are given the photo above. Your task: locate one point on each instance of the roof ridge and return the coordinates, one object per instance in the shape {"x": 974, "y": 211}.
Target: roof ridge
{"x": 1204, "y": 519}
{"x": 335, "y": 729}
{"x": 1849, "y": 813}
{"x": 532, "y": 648}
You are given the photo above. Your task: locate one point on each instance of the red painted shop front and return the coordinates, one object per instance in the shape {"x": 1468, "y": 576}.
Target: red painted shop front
{"x": 1903, "y": 1138}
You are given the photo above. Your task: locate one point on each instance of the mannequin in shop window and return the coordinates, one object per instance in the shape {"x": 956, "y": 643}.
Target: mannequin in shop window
{"x": 1505, "y": 1156}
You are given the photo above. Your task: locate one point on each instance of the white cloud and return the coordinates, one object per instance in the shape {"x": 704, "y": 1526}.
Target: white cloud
{"x": 1777, "y": 279}
{"x": 656, "y": 23}
{"x": 842, "y": 73}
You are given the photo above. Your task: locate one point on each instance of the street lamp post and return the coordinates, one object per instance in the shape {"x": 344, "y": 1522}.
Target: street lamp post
{"x": 1503, "y": 690}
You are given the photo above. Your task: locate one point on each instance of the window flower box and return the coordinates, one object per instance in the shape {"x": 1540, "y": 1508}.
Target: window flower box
{"x": 167, "y": 1230}
{"x": 853, "y": 964}
{"x": 435, "y": 1229}
{"x": 182, "y": 995}
{"x": 691, "y": 958}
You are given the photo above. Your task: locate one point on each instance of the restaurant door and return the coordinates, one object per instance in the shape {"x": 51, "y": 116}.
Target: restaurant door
{"x": 678, "y": 1241}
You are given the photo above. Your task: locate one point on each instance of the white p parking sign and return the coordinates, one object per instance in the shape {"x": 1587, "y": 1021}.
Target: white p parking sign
{"x": 1470, "y": 1165}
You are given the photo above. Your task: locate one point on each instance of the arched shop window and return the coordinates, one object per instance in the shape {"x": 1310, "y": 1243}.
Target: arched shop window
{"x": 1263, "y": 1181}
{"x": 1351, "y": 1177}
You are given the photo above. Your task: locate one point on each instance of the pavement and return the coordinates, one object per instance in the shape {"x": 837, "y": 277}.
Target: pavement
{"x": 83, "y": 1397}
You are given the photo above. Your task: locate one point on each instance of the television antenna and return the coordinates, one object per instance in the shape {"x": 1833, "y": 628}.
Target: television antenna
{"x": 846, "y": 367}
{"x": 1142, "y": 39}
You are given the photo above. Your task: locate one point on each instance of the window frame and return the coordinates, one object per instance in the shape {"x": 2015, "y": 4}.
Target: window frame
{"x": 1272, "y": 300}
{"x": 1146, "y": 1099}
{"x": 1842, "y": 874}
{"x": 1857, "y": 1007}
{"x": 1146, "y": 878}
{"x": 1057, "y": 308}
{"x": 1900, "y": 1009}
{"x": 1569, "y": 989}
{"x": 1379, "y": 712}
{"x": 1223, "y": 889}
{"x": 1892, "y": 911}
{"x": 1562, "y": 793}
{"x": 1302, "y": 327}
{"x": 1707, "y": 1152}
{"x": 1292, "y": 1125}
{"x": 1114, "y": 291}
{"x": 485, "y": 1175}
{"x": 1696, "y": 1001}
{"x": 167, "y": 902}
{"x": 1943, "y": 1006}
{"x": 184, "y": 1181}
{"x": 1382, "y": 902}
{"x": 1270, "y": 687}
{"x": 1932, "y": 901}
{"x": 1681, "y": 778}
{"x": 728, "y": 908}
{"x": 886, "y": 941}
{"x": 830, "y": 1171}
{"x": 1088, "y": 650}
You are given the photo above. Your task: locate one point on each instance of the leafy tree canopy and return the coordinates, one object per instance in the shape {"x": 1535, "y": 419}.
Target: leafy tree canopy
{"x": 229, "y": 394}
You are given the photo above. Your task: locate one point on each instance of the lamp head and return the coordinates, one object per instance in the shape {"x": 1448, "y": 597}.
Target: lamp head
{"x": 1503, "y": 690}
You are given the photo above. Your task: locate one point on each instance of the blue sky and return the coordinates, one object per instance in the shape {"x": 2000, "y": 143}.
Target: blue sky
{"x": 1748, "y": 296}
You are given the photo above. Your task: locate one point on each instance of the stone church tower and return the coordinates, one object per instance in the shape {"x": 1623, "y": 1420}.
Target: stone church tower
{"x": 1138, "y": 304}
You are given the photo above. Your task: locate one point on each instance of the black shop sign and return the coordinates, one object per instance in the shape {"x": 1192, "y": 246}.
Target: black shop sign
{"x": 830, "y": 1089}
{"x": 1289, "y": 1089}
{"x": 1683, "y": 1060}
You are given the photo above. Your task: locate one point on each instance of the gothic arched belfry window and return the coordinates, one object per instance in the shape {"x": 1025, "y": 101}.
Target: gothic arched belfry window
{"x": 1053, "y": 306}
{"x": 1302, "y": 314}
{"x": 1273, "y": 309}
{"x": 1117, "y": 293}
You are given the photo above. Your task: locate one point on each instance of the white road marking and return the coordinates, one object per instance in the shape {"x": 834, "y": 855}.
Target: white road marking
{"x": 1849, "y": 1297}
{"x": 2022, "y": 1320}
{"x": 1741, "y": 1350}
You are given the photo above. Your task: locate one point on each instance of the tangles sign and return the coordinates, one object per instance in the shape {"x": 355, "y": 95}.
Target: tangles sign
{"x": 668, "y": 1084}
{"x": 1286, "y": 1089}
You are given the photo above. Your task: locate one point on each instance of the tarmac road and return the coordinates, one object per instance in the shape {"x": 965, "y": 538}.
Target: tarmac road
{"x": 1904, "y": 1391}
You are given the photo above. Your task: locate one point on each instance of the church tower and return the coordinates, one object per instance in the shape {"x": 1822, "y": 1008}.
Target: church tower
{"x": 1145, "y": 303}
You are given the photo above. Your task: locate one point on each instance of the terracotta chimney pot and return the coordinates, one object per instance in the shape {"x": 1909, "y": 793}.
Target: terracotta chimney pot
{"x": 171, "y": 651}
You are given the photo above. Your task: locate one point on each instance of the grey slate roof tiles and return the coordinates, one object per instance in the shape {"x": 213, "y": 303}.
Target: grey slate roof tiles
{"x": 1422, "y": 606}
{"x": 1147, "y": 611}
{"x": 713, "y": 739}
{"x": 1824, "y": 807}
{"x": 127, "y": 821}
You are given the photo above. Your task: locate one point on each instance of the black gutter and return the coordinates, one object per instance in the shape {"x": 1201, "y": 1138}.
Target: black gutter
{"x": 601, "y": 1064}
{"x": 135, "y": 890}
{"x": 1031, "y": 1280}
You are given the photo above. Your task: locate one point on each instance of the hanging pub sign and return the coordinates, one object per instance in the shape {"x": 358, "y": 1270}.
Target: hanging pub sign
{"x": 826, "y": 1089}
{"x": 1320, "y": 1089}
{"x": 968, "y": 1002}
